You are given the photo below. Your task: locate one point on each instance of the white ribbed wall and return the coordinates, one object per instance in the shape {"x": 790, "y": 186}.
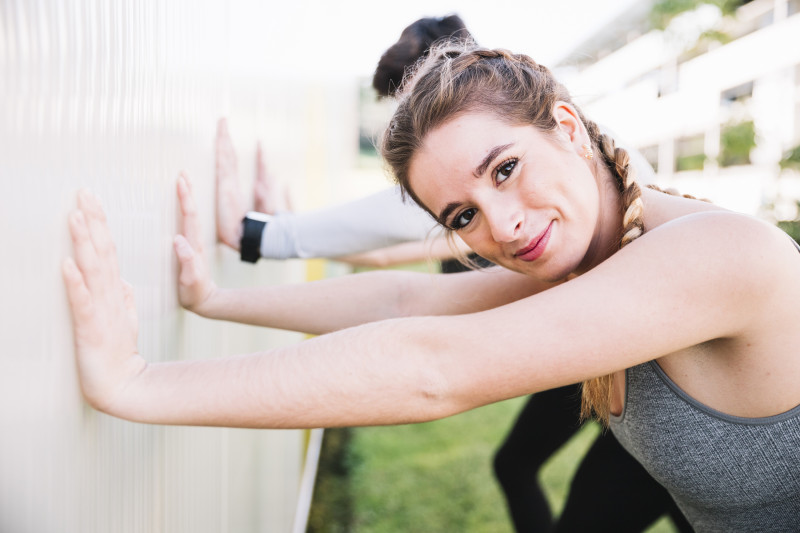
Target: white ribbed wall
{"x": 119, "y": 96}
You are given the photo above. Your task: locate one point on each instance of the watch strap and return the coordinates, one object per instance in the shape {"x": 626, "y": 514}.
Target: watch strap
{"x": 253, "y": 225}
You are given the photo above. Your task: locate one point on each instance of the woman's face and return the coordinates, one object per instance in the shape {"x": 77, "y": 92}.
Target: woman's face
{"x": 523, "y": 199}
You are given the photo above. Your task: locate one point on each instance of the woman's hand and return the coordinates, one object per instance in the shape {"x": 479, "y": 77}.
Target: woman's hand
{"x": 195, "y": 286}
{"x": 270, "y": 196}
{"x": 230, "y": 201}
{"x": 104, "y": 320}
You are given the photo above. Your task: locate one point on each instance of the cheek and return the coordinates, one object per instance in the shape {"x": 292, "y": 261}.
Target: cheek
{"x": 479, "y": 242}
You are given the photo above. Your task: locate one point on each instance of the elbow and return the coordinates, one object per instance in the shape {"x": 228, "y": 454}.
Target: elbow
{"x": 434, "y": 391}
{"x": 440, "y": 397}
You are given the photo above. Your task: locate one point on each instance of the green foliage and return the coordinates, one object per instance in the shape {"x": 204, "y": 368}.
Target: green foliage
{"x": 664, "y": 11}
{"x": 791, "y": 159}
{"x": 332, "y": 509}
{"x": 792, "y": 227}
{"x": 715, "y": 35}
{"x": 728, "y": 7}
{"x": 690, "y": 162}
{"x": 736, "y": 142}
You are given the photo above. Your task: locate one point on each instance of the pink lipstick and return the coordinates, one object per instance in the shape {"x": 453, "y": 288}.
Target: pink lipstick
{"x": 536, "y": 247}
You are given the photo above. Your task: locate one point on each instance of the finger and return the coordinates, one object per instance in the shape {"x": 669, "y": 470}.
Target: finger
{"x": 225, "y": 153}
{"x": 191, "y": 223}
{"x": 130, "y": 305}
{"x": 99, "y": 232}
{"x": 223, "y": 136}
{"x": 261, "y": 167}
{"x": 184, "y": 250}
{"x": 86, "y": 259}
{"x": 78, "y": 295}
{"x": 222, "y": 127}
{"x": 188, "y": 182}
{"x": 263, "y": 185}
{"x": 187, "y": 259}
{"x": 128, "y": 296}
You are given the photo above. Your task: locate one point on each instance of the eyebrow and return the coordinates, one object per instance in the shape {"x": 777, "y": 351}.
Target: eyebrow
{"x": 449, "y": 208}
{"x": 494, "y": 152}
{"x": 478, "y": 172}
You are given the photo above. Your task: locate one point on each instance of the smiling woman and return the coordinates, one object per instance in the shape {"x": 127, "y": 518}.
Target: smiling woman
{"x": 448, "y": 112}
{"x": 692, "y": 323}
{"x": 486, "y": 203}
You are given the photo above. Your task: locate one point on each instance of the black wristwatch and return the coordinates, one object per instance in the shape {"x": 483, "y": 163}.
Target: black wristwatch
{"x": 253, "y": 225}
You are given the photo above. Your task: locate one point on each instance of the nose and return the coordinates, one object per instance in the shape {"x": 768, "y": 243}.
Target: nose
{"x": 505, "y": 222}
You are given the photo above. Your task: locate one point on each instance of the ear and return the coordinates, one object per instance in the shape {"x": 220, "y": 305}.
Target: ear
{"x": 570, "y": 127}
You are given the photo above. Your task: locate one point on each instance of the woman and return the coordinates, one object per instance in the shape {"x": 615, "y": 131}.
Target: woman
{"x": 366, "y": 232}
{"x": 678, "y": 316}
{"x": 548, "y": 419}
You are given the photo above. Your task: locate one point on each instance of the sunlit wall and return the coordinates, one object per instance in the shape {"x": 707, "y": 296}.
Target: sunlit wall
{"x": 119, "y": 97}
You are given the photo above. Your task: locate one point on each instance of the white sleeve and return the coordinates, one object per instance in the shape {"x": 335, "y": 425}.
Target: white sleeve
{"x": 372, "y": 222}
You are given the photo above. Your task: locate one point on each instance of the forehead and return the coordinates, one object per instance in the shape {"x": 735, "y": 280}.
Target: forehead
{"x": 451, "y": 152}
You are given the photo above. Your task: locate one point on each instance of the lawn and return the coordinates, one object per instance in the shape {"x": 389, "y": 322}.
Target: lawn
{"x": 432, "y": 477}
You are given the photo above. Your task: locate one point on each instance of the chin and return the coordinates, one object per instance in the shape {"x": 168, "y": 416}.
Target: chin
{"x": 546, "y": 273}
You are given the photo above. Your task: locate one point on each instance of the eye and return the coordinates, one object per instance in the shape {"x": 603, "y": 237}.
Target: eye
{"x": 463, "y": 218}
{"x": 504, "y": 170}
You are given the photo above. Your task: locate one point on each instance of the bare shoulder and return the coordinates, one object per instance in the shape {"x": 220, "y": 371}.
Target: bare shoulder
{"x": 708, "y": 273}
{"x": 734, "y": 258}
{"x": 742, "y": 240}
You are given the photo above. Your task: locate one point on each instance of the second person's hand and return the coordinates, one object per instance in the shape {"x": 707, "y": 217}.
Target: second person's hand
{"x": 231, "y": 206}
{"x": 195, "y": 286}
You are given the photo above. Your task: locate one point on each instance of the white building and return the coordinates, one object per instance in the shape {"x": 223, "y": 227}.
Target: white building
{"x": 690, "y": 103}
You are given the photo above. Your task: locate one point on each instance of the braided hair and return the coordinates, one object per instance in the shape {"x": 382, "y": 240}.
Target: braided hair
{"x": 457, "y": 77}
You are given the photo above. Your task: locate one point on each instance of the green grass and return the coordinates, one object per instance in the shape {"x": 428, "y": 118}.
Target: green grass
{"x": 433, "y": 477}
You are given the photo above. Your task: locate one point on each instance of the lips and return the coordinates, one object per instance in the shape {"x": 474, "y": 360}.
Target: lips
{"x": 536, "y": 247}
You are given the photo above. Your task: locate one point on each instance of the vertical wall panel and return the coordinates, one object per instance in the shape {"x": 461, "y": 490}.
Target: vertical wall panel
{"x": 119, "y": 97}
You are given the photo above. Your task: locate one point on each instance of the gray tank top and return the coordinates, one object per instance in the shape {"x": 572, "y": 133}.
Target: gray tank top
{"x": 726, "y": 473}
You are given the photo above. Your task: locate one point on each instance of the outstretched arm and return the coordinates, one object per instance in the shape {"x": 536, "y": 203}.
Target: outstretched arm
{"x": 330, "y": 305}
{"x": 650, "y": 299}
{"x": 374, "y": 222}
{"x": 438, "y": 248}
{"x": 231, "y": 391}
{"x": 657, "y": 296}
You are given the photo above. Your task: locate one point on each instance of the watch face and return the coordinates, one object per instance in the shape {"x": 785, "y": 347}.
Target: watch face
{"x": 255, "y": 215}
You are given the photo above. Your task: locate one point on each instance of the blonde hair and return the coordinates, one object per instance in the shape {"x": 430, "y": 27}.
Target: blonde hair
{"x": 460, "y": 77}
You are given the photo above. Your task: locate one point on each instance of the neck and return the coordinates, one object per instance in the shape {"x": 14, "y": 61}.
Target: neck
{"x": 608, "y": 233}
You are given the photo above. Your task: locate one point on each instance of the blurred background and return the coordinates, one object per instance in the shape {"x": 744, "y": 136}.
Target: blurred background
{"x": 121, "y": 96}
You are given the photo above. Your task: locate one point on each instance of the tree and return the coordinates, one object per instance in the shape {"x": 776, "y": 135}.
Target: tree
{"x": 664, "y": 11}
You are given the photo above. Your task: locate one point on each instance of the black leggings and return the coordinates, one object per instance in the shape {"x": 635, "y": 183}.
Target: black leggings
{"x": 610, "y": 492}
